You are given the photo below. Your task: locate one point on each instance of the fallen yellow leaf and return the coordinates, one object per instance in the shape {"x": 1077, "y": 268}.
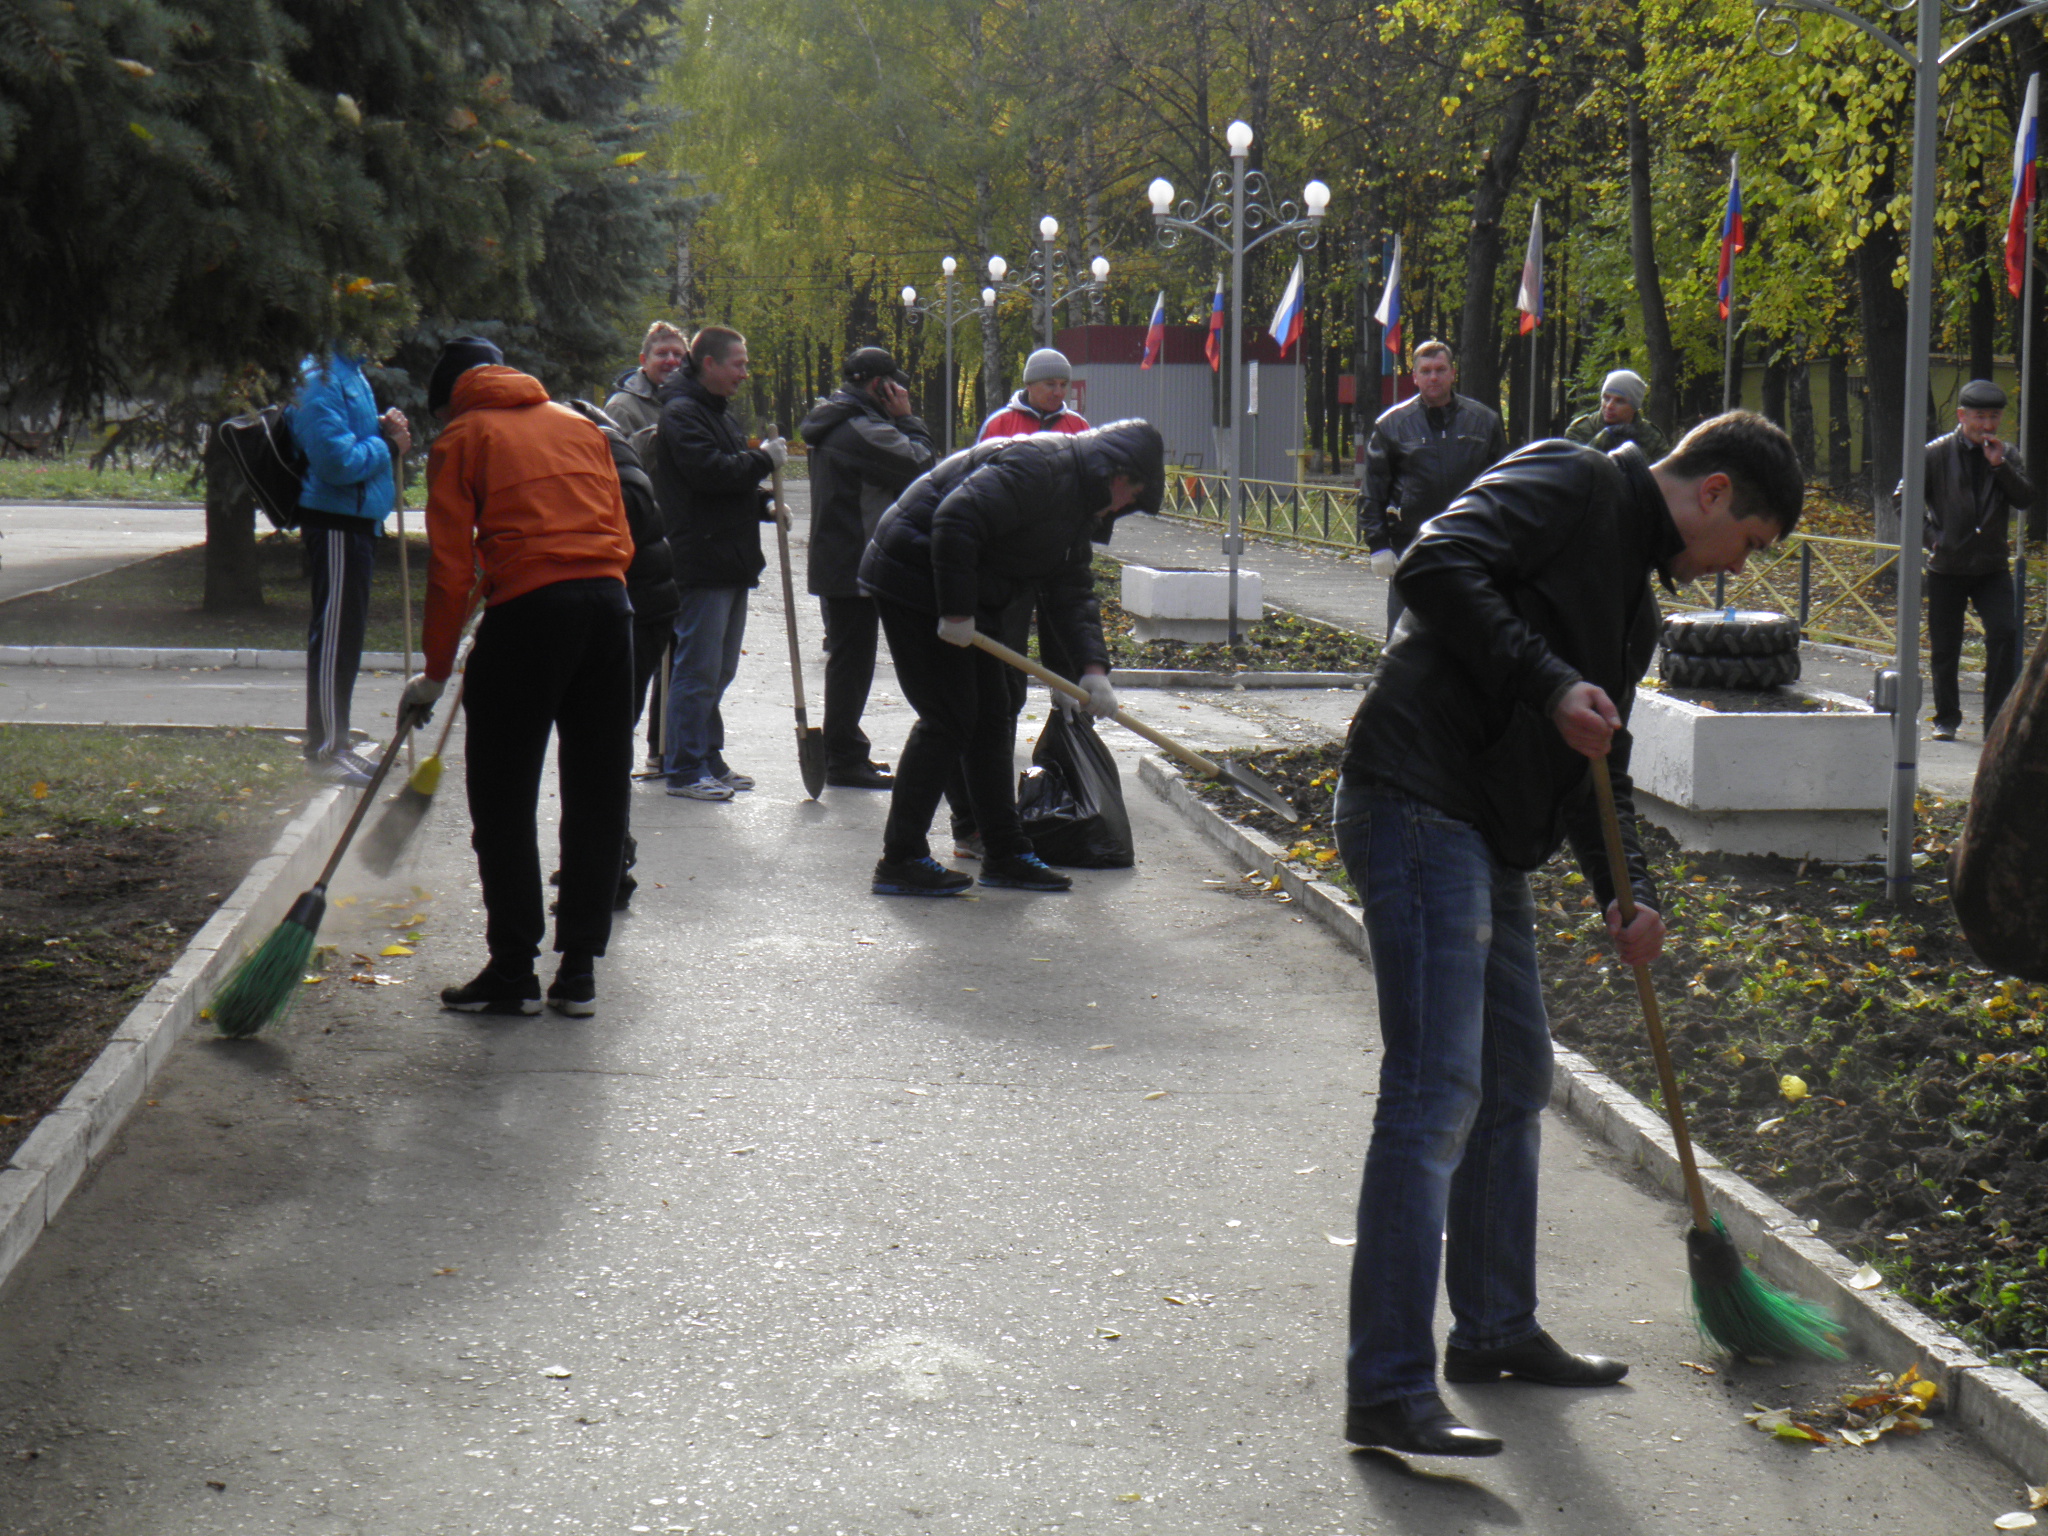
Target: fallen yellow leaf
{"x": 632, "y": 158}
{"x": 394, "y": 949}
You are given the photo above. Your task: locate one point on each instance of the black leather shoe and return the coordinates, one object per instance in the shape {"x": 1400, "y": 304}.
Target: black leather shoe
{"x": 860, "y": 776}
{"x": 1416, "y": 1426}
{"x": 1539, "y": 1359}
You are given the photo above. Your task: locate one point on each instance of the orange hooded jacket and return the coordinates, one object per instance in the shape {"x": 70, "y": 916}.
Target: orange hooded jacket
{"x": 521, "y": 493}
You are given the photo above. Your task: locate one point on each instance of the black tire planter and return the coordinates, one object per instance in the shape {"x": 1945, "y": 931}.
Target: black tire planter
{"x": 1748, "y": 633}
{"x": 1741, "y": 674}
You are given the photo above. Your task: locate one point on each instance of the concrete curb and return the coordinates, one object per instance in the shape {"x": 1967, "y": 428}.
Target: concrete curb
{"x": 47, "y": 1166}
{"x": 2008, "y": 1412}
{"x": 1152, "y": 677}
{"x": 145, "y": 657}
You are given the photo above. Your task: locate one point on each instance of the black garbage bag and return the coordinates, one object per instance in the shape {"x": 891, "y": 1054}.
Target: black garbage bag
{"x": 1071, "y": 799}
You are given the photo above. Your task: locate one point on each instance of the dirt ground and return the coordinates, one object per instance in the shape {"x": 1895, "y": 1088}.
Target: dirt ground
{"x": 1855, "y": 1061}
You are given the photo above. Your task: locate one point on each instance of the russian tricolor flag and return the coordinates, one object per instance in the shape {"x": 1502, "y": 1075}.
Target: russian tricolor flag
{"x": 1213, "y": 347}
{"x": 1732, "y": 237}
{"x": 1529, "y": 300}
{"x": 2025, "y": 146}
{"x": 1287, "y": 319}
{"x": 1388, "y": 315}
{"x": 1155, "y": 335}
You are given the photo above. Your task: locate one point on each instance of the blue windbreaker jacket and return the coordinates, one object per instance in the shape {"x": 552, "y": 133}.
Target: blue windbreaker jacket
{"x": 348, "y": 463}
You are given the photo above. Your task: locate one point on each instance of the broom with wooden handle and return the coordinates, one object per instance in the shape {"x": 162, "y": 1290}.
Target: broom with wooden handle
{"x": 1735, "y": 1308}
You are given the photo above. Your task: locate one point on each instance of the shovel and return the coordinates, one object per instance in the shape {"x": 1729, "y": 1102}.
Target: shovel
{"x": 810, "y": 741}
{"x": 1236, "y": 775}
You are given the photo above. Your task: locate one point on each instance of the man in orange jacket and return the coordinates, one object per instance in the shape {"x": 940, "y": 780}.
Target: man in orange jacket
{"x": 524, "y": 510}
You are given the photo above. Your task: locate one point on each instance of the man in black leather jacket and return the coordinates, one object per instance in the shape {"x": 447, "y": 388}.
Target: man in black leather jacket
{"x": 866, "y": 447}
{"x": 1420, "y": 457}
{"x": 1530, "y": 617}
{"x": 988, "y": 524}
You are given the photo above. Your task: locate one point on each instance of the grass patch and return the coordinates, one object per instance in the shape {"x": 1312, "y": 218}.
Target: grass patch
{"x": 116, "y": 846}
{"x": 72, "y": 478}
{"x": 156, "y": 602}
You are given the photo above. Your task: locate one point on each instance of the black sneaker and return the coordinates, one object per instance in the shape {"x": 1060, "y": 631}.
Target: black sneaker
{"x": 918, "y": 877}
{"x": 860, "y": 776}
{"x": 1024, "y": 872}
{"x": 574, "y": 992}
{"x": 495, "y": 991}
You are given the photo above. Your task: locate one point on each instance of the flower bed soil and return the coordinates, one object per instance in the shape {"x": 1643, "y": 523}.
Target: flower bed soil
{"x": 1854, "y": 1061}
{"x": 1273, "y": 642}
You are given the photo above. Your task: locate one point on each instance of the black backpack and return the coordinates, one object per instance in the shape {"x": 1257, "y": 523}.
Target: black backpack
{"x": 261, "y": 446}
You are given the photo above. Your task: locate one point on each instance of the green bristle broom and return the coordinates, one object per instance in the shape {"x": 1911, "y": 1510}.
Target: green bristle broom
{"x": 265, "y": 985}
{"x": 1738, "y": 1310}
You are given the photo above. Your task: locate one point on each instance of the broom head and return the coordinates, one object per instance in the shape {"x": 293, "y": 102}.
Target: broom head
{"x": 267, "y": 983}
{"x": 401, "y": 817}
{"x": 1745, "y": 1314}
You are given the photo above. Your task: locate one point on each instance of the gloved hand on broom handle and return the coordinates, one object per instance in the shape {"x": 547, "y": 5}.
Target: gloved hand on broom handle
{"x": 416, "y": 704}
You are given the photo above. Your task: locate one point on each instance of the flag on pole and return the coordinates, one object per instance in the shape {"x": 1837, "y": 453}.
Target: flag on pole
{"x": 1155, "y": 335}
{"x": 1530, "y": 299}
{"x": 1733, "y": 238}
{"x": 1213, "y": 347}
{"x": 2025, "y": 145}
{"x": 1287, "y": 319}
{"x": 1388, "y": 315}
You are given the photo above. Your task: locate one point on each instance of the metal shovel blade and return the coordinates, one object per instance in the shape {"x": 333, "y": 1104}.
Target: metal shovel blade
{"x": 810, "y": 757}
{"x": 1257, "y": 787}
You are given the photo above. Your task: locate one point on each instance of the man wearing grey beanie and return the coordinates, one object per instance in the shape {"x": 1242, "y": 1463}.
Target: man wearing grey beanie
{"x": 1620, "y": 418}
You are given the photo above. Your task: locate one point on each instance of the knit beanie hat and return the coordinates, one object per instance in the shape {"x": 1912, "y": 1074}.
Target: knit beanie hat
{"x": 1044, "y": 364}
{"x": 1629, "y": 386}
{"x": 456, "y": 359}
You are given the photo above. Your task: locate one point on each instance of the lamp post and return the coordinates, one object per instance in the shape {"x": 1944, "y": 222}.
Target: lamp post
{"x": 914, "y": 312}
{"x": 1237, "y": 219}
{"x": 1925, "y": 58}
{"x": 1049, "y": 271}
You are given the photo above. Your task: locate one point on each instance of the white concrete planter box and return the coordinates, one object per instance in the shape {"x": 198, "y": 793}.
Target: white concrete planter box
{"x": 1182, "y": 604}
{"x": 1801, "y": 784}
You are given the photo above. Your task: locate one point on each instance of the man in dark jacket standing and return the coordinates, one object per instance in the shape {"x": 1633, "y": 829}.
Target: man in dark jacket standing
{"x": 1530, "y": 617}
{"x": 1420, "y": 457}
{"x": 1974, "y": 480}
{"x": 866, "y": 447}
{"x": 985, "y": 525}
{"x": 708, "y": 482}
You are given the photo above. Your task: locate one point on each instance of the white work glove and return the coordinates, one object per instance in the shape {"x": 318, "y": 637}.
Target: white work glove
{"x": 956, "y": 631}
{"x": 416, "y": 704}
{"x": 777, "y": 449}
{"x": 783, "y": 520}
{"x": 1101, "y": 697}
{"x": 1383, "y": 563}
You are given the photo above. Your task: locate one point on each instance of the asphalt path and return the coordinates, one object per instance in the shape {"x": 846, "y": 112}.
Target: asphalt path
{"x": 1011, "y": 1213}
{"x": 45, "y": 544}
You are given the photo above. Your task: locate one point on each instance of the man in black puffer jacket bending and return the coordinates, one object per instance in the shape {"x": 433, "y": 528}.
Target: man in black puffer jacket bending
{"x": 984, "y": 526}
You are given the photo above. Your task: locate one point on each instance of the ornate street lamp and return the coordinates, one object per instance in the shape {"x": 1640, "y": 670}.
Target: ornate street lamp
{"x": 1238, "y": 219}
{"x": 914, "y": 312}
{"x": 1051, "y": 281}
{"x": 1925, "y": 59}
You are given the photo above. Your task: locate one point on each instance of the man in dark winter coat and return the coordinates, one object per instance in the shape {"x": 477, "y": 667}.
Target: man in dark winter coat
{"x": 1530, "y": 617}
{"x": 635, "y": 403}
{"x": 866, "y": 447}
{"x": 708, "y": 482}
{"x": 1974, "y": 480}
{"x": 985, "y": 525}
{"x": 1420, "y": 457}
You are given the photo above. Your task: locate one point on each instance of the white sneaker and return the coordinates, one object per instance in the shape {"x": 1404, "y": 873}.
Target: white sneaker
{"x": 735, "y": 779}
{"x": 706, "y": 788}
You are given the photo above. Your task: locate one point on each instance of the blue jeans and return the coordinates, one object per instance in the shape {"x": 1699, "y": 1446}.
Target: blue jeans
{"x": 709, "y": 627}
{"x": 1450, "y": 1176}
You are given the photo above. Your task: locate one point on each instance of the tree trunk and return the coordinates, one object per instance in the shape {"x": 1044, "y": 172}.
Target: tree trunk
{"x": 232, "y": 582}
{"x": 1884, "y": 354}
{"x": 1775, "y": 384}
{"x": 1983, "y": 314}
{"x": 1840, "y": 471}
{"x": 1800, "y": 424}
{"x": 1478, "y": 343}
{"x": 1642, "y": 249}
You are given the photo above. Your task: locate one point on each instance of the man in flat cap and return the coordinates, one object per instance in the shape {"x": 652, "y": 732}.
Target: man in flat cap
{"x": 866, "y": 447}
{"x": 1974, "y": 480}
{"x": 1620, "y": 418}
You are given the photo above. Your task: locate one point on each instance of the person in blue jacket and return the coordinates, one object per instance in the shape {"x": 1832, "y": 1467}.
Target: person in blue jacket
{"x": 347, "y": 493}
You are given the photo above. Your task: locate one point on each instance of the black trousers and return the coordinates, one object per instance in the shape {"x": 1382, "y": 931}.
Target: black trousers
{"x": 340, "y": 562}
{"x": 966, "y": 722}
{"x": 1013, "y": 628}
{"x": 650, "y": 641}
{"x": 557, "y": 660}
{"x": 851, "y": 629}
{"x": 1991, "y": 594}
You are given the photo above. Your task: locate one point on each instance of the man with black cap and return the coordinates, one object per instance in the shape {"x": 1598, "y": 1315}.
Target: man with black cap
{"x": 1974, "y": 480}
{"x": 866, "y": 447}
{"x": 984, "y": 525}
{"x": 1620, "y": 418}
{"x": 524, "y": 514}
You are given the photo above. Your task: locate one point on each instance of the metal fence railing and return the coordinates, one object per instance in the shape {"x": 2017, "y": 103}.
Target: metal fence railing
{"x": 1843, "y": 591}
